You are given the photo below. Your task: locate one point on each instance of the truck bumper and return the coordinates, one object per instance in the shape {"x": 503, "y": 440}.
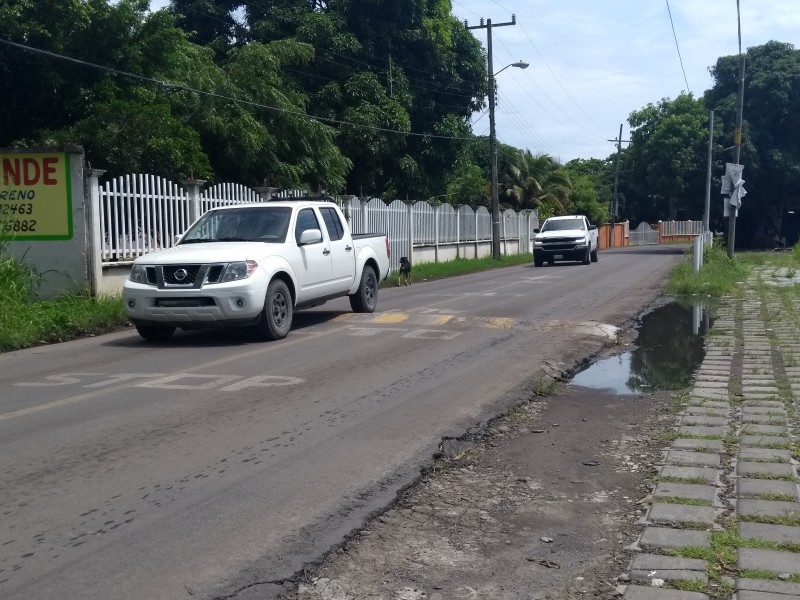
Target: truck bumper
{"x": 575, "y": 254}
{"x": 233, "y": 304}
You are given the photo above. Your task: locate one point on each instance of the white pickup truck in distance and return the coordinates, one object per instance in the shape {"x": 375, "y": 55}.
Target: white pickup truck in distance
{"x": 254, "y": 265}
{"x": 565, "y": 238}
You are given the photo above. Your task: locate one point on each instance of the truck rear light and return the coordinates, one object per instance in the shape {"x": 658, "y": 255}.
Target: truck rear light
{"x": 388, "y": 252}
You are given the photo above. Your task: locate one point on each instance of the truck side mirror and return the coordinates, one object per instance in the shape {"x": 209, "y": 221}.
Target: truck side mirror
{"x": 592, "y": 227}
{"x": 310, "y": 236}
{"x": 536, "y": 230}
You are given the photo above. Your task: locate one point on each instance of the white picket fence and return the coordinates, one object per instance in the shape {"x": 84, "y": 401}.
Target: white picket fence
{"x": 673, "y": 228}
{"x": 142, "y": 213}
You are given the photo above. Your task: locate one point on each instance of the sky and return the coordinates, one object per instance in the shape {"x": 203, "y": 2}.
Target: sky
{"x": 593, "y": 62}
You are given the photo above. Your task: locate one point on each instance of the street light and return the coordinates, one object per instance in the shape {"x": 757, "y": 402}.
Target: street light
{"x": 493, "y": 156}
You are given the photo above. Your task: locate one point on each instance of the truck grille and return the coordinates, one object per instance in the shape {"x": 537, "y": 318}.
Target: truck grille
{"x": 184, "y": 302}
{"x": 559, "y": 244}
{"x": 181, "y": 274}
{"x": 184, "y": 276}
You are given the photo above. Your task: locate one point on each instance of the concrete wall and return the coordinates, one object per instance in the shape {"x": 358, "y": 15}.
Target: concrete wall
{"x": 61, "y": 263}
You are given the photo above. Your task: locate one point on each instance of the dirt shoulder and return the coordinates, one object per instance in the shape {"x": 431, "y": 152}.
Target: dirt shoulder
{"x": 542, "y": 504}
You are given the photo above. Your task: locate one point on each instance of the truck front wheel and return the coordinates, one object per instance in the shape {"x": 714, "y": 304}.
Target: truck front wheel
{"x": 594, "y": 255}
{"x": 588, "y": 257}
{"x": 276, "y": 318}
{"x": 365, "y": 300}
{"x": 538, "y": 261}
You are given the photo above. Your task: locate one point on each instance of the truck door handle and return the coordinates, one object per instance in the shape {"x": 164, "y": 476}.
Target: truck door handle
{"x": 326, "y": 252}
{"x": 348, "y": 248}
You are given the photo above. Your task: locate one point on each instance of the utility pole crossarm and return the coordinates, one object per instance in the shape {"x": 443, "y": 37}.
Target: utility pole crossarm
{"x": 489, "y": 23}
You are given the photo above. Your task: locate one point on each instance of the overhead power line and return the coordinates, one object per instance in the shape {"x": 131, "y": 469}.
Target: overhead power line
{"x": 558, "y": 81}
{"x": 677, "y": 47}
{"x": 176, "y": 87}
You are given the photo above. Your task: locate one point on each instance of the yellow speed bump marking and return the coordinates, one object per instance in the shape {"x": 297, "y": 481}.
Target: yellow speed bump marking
{"x": 391, "y": 318}
{"x": 500, "y": 322}
{"x": 442, "y": 319}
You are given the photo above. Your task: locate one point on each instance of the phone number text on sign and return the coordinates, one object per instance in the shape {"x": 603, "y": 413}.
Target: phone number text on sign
{"x": 35, "y": 196}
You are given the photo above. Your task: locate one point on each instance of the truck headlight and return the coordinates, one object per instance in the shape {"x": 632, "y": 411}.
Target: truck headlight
{"x": 138, "y": 274}
{"x": 239, "y": 270}
{"x": 537, "y": 242}
{"x": 581, "y": 242}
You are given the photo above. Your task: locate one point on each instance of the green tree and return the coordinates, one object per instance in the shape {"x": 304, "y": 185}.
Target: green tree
{"x": 468, "y": 186}
{"x": 382, "y": 69}
{"x": 592, "y": 185}
{"x": 665, "y": 161}
{"x": 770, "y": 145}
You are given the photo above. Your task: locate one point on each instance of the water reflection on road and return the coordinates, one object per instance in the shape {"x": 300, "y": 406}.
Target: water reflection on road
{"x": 669, "y": 348}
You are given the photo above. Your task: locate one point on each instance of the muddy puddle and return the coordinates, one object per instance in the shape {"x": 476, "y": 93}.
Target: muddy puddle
{"x": 669, "y": 347}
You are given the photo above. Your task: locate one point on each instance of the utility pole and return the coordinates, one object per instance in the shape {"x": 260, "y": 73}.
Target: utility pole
{"x": 737, "y": 136}
{"x": 614, "y": 205}
{"x": 707, "y": 212}
{"x": 492, "y": 134}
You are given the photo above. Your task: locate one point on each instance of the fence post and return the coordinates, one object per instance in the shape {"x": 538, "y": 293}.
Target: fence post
{"x": 364, "y": 201}
{"x": 266, "y": 192}
{"x": 94, "y": 253}
{"x": 347, "y": 208}
{"x": 410, "y": 228}
{"x": 503, "y": 233}
{"x": 435, "y": 206}
{"x": 458, "y": 229}
{"x": 698, "y": 253}
{"x": 475, "y": 214}
{"x": 193, "y": 197}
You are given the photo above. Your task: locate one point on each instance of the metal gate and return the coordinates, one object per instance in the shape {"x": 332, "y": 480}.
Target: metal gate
{"x": 643, "y": 235}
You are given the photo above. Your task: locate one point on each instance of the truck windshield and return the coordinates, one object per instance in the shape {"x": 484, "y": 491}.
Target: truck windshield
{"x": 562, "y": 225}
{"x": 245, "y": 224}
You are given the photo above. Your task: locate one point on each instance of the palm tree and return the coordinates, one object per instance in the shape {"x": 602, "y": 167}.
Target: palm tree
{"x": 531, "y": 181}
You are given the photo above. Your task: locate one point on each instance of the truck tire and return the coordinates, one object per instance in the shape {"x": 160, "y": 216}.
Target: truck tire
{"x": 276, "y": 318}
{"x": 588, "y": 258}
{"x": 538, "y": 261}
{"x": 365, "y": 300}
{"x": 155, "y": 333}
{"x": 594, "y": 255}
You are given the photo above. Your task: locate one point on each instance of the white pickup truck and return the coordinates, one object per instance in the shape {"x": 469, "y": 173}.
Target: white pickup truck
{"x": 565, "y": 238}
{"x": 254, "y": 265}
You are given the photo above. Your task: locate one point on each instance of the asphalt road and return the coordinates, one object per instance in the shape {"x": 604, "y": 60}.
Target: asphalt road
{"x": 203, "y": 465}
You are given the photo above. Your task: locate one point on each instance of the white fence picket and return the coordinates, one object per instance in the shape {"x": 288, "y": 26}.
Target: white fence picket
{"x": 142, "y": 213}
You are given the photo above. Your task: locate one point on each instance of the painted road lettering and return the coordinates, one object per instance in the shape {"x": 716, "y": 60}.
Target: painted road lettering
{"x": 169, "y": 383}
{"x": 263, "y": 381}
{"x": 174, "y": 381}
{"x": 63, "y": 379}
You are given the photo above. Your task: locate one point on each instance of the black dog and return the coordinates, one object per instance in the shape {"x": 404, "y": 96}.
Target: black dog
{"x": 405, "y": 271}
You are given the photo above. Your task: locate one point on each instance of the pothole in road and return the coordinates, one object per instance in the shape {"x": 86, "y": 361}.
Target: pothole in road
{"x": 669, "y": 348}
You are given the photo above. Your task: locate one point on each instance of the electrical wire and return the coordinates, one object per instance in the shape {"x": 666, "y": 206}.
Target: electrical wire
{"x": 678, "y": 47}
{"x": 507, "y": 107}
{"x": 176, "y": 87}
{"x": 551, "y": 70}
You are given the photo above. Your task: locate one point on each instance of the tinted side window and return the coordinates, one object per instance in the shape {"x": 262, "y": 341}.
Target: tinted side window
{"x": 333, "y": 223}
{"x": 306, "y": 219}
